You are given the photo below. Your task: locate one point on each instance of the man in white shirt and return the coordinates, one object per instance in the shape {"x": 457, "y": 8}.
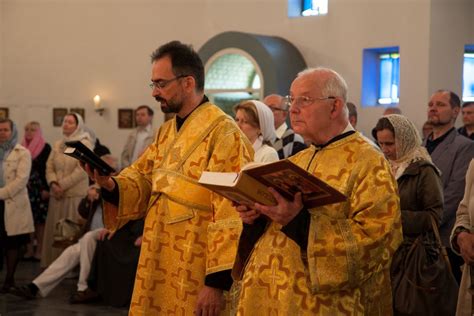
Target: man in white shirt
{"x": 288, "y": 142}
{"x": 140, "y": 138}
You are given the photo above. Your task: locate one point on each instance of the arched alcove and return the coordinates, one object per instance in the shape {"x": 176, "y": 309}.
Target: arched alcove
{"x": 242, "y": 66}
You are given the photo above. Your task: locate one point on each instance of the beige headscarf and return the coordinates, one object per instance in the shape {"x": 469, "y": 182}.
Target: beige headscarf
{"x": 407, "y": 143}
{"x": 79, "y": 133}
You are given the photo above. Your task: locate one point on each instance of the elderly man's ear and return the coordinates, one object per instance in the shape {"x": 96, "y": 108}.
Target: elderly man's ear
{"x": 337, "y": 107}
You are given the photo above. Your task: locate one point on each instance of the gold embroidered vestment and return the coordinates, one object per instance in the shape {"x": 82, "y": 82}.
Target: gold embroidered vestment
{"x": 350, "y": 244}
{"x": 189, "y": 231}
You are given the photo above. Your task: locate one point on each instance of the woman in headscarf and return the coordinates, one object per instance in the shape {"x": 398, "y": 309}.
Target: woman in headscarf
{"x": 38, "y": 189}
{"x": 255, "y": 120}
{"x": 419, "y": 185}
{"x": 68, "y": 183}
{"x": 16, "y": 220}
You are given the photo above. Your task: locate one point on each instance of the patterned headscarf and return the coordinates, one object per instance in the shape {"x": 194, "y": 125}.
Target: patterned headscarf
{"x": 266, "y": 121}
{"x": 10, "y": 143}
{"x": 36, "y": 144}
{"x": 407, "y": 143}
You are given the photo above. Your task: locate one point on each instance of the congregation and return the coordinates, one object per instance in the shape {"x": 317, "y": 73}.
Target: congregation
{"x": 151, "y": 238}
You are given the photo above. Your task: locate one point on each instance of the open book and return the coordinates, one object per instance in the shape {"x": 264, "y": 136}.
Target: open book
{"x": 78, "y": 150}
{"x": 251, "y": 184}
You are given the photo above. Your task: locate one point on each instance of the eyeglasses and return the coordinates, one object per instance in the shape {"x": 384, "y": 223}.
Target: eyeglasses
{"x": 162, "y": 83}
{"x": 304, "y": 101}
{"x": 277, "y": 109}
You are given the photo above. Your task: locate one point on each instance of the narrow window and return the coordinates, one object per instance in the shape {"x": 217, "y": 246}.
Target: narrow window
{"x": 314, "y": 7}
{"x": 468, "y": 76}
{"x": 389, "y": 78}
{"x": 380, "y": 76}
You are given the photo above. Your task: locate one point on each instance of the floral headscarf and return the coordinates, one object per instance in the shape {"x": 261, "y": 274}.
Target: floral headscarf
{"x": 407, "y": 143}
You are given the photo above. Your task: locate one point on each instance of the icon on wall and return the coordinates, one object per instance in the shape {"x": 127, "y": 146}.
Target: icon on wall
{"x": 58, "y": 116}
{"x": 126, "y": 118}
{"x": 3, "y": 113}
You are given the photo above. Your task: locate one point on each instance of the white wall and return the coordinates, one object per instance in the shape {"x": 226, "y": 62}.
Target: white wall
{"x": 58, "y": 53}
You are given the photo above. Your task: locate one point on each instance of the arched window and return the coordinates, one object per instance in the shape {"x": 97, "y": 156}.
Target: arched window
{"x": 242, "y": 66}
{"x": 232, "y": 75}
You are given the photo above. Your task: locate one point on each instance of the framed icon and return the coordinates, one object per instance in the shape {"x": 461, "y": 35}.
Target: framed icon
{"x": 58, "y": 116}
{"x": 3, "y": 113}
{"x": 126, "y": 118}
{"x": 80, "y": 111}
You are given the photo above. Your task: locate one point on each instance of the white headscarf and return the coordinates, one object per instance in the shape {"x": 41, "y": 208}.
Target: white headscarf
{"x": 79, "y": 133}
{"x": 407, "y": 143}
{"x": 266, "y": 121}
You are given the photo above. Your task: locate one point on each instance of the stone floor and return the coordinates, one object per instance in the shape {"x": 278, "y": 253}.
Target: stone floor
{"x": 56, "y": 304}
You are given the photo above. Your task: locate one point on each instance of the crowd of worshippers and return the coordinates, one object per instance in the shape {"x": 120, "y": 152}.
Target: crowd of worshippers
{"x": 170, "y": 245}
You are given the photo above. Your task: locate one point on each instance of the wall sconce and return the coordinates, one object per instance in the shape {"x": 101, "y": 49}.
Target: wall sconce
{"x": 97, "y": 106}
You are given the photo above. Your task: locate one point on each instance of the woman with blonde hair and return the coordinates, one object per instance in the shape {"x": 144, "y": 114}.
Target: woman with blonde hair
{"x": 255, "y": 120}
{"x": 68, "y": 183}
{"x": 38, "y": 189}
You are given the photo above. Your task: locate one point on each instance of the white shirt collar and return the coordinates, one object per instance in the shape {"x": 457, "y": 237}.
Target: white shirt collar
{"x": 281, "y": 130}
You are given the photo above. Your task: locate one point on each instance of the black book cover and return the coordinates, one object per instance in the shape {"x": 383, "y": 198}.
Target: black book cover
{"x": 79, "y": 151}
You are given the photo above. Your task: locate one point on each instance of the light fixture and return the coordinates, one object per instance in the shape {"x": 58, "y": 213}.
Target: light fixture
{"x": 97, "y": 106}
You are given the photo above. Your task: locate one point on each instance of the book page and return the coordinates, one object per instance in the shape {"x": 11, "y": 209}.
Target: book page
{"x": 219, "y": 178}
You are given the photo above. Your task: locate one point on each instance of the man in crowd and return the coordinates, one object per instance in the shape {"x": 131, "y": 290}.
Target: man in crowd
{"x": 451, "y": 153}
{"x": 468, "y": 120}
{"x": 331, "y": 259}
{"x": 79, "y": 253}
{"x": 139, "y": 139}
{"x": 190, "y": 235}
{"x": 288, "y": 142}
{"x": 352, "y": 114}
{"x": 392, "y": 110}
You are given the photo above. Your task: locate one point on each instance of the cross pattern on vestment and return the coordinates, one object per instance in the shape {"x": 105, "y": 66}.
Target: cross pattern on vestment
{"x": 186, "y": 286}
{"x": 276, "y": 273}
{"x": 189, "y": 246}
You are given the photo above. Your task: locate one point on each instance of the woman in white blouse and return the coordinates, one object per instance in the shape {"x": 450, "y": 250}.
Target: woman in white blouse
{"x": 255, "y": 120}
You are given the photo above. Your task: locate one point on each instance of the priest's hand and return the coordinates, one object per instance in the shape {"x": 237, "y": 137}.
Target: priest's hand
{"x": 465, "y": 241}
{"x": 210, "y": 302}
{"x": 105, "y": 182}
{"x": 247, "y": 214}
{"x": 284, "y": 211}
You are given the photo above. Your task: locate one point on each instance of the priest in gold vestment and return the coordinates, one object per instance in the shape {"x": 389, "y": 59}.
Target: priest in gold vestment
{"x": 332, "y": 259}
{"x": 190, "y": 235}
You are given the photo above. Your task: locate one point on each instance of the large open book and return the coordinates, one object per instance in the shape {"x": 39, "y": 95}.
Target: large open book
{"x": 251, "y": 184}
{"x": 78, "y": 150}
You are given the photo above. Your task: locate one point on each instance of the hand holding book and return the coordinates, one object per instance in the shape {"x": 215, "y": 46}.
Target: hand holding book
{"x": 251, "y": 185}
{"x": 79, "y": 151}
{"x": 283, "y": 212}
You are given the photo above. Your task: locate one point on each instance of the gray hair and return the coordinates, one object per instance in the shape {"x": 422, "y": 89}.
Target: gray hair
{"x": 334, "y": 85}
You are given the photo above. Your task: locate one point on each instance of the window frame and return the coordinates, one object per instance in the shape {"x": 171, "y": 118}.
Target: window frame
{"x": 371, "y": 81}
{"x": 469, "y": 49}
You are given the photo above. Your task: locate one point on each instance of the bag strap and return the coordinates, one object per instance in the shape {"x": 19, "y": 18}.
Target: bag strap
{"x": 444, "y": 253}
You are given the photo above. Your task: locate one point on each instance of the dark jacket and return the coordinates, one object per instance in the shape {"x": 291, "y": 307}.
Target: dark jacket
{"x": 87, "y": 210}
{"x": 421, "y": 196}
{"x": 452, "y": 157}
